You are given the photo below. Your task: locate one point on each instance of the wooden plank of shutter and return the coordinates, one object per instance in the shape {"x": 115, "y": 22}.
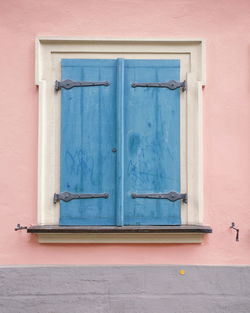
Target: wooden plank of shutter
{"x": 88, "y": 128}
{"x": 152, "y": 142}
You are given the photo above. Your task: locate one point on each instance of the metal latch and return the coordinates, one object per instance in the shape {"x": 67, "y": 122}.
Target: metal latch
{"x": 171, "y": 84}
{"x": 68, "y": 84}
{"x": 68, "y": 196}
{"x": 171, "y": 196}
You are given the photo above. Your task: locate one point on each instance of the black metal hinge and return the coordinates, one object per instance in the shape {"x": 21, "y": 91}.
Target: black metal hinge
{"x": 68, "y": 84}
{"x": 172, "y": 84}
{"x": 68, "y": 196}
{"x": 171, "y": 196}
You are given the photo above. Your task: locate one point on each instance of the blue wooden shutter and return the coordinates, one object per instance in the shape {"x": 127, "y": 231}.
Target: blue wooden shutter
{"x": 143, "y": 123}
{"x": 88, "y": 135}
{"x": 152, "y": 142}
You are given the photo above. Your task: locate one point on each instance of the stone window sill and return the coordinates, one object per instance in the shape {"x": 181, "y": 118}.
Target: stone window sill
{"x": 124, "y": 234}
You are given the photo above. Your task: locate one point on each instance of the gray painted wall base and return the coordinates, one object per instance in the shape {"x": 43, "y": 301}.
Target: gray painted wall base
{"x": 125, "y": 289}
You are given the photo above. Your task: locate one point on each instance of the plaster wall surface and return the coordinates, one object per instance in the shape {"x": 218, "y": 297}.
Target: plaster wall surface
{"x": 142, "y": 289}
{"x": 225, "y": 26}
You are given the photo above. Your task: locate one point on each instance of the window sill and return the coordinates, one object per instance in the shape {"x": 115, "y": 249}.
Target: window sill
{"x": 124, "y": 234}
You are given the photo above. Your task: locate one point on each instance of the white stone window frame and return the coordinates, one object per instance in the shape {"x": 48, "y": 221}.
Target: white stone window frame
{"x": 49, "y": 52}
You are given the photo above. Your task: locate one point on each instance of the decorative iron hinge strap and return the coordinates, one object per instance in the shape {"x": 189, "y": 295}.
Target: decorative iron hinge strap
{"x": 171, "y": 84}
{"x": 171, "y": 196}
{"x": 68, "y": 84}
{"x": 68, "y": 196}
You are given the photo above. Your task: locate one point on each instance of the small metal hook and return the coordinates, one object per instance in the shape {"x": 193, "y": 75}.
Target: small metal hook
{"x": 237, "y": 230}
{"x": 19, "y": 227}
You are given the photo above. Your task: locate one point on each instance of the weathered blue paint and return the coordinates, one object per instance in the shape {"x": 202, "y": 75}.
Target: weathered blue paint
{"x": 152, "y": 142}
{"x": 88, "y": 134}
{"x": 143, "y": 124}
{"x": 120, "y": 142}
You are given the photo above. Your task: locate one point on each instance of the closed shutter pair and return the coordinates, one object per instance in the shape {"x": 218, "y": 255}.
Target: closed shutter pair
{"x": 120, "y": 145}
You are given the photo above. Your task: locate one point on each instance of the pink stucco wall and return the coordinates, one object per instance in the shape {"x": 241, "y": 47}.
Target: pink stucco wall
{"x": 225, "y": 24}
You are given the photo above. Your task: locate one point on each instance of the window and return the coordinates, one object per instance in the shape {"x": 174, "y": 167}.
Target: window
{"x": 120, "y": 142}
